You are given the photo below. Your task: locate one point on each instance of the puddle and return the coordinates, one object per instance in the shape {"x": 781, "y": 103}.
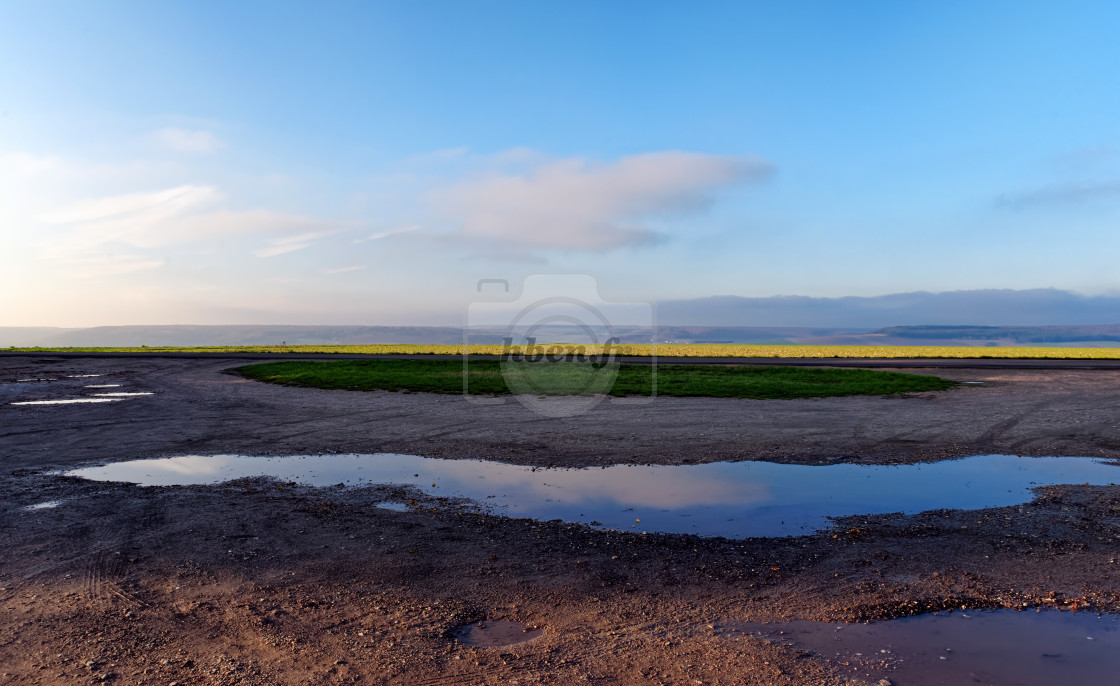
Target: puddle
{"x": 731, "y": 499}
{"x": 93, "y": 398}
{"x": 1001, "y": 647}
{"x": 67, "y": 401}
{"x": 50, "y": 504}
{"x": 494, "y": 634}
{"x": 104, "y": 385}
{"x": 82, "y": 376}
{"x": 395, "y": 507}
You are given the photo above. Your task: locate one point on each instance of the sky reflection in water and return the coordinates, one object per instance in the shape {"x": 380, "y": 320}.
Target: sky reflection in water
{"x": 733, "y": 499}
{"x": 1003, "y": 647}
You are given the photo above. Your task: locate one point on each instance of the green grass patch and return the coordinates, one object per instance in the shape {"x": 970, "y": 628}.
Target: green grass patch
{"x": 486, "y": 377}
{"x": 678, "y": 350}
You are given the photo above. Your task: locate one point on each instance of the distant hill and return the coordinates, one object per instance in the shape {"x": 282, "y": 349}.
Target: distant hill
{"x": 189, "y": 335}
{"x": 194, "y": 335}
{"x": 134, "y": 336}
{"x": 1037, "y": 307}
{"x": 979, "y": 317}
{"x": 1100, "y": 333}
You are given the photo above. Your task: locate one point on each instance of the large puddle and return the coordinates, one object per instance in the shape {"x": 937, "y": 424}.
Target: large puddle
{"x": 731, "y": 499}
{"x": 999, "y": 647}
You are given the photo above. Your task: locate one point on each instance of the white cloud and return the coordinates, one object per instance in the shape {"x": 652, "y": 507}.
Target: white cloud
{"x": 576, "y": 204}
{"x": 287, "y": 244}
{"x": 17, "y": 165}
{"x": 197, "y": 142}
{"x": 385, "y": 234}
{"x": 280, "y": 249}
{"x": 175, "y": 215}
{"x": 80, "y": 233}
{"x": 343, "y": 270}
{"x": 519, "y": 155}
{"x": 109, "y": 265}
{"x": 136, "y": 208}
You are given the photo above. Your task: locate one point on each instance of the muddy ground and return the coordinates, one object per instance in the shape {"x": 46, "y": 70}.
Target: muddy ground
{"x": 256, "y": 582}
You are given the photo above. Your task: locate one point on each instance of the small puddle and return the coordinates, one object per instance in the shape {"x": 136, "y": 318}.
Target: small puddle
{"x": 68, "y": 401}
{"x": 395, "y": 507}
{"x": 1002, "y": 647}
{"x": 494, "y": 634}
{"x": 103, "y": 385}
{"x": 50, "y": 504}
{"x": 121, "y": 395}
{"x": 731, "y": 499}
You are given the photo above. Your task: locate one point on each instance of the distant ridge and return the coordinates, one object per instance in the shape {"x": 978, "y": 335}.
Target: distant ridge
{"x": 1037, "y": 307}
{"x": 202, "y": 335}
{"x": 1021, "y": 334}
{"x": 189, "y": 336}
{"x": 977, "y": 317}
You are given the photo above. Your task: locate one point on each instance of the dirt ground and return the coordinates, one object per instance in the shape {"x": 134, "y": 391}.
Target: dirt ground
{"x": 256, "y": 582}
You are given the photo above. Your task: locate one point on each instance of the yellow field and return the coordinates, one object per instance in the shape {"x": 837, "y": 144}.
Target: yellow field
{"x": 705, "y": 350}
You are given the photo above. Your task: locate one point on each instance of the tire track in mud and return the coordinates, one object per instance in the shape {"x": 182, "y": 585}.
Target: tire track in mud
{"x": 102, "y": 565}
{"x": 999, "y": 429}
{"x": 50, "y": 565}
{"x": 105, "y": 569}
{"x": 604, "y": 646}
{"x": 369, "y": 415}
{"x": 908, "y": 436}
{"x": 443, "y": 431}
{"x": 68, "y": 537}
{"x": 102, "y": 572}
{"x": 451, "y": 679}
{"x": 484, "y": 676}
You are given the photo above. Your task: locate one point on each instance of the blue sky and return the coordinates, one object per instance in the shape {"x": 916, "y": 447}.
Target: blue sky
{"x": 367, "y": 163}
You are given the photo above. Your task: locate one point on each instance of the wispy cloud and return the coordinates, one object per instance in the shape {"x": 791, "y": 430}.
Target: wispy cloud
{"x": 385, "y": 234}
{"x": 130, "y": 211}
{"x": 281, "y": 249}
{"x": 576, "y": 204}
{"x": 24, "y": 165}
{"x": 88, "y": 267}
{"x": 1068, "y": 194}
{"x": 197, "y": 142}
{"x": 80, "y": 233}
{"x": 343, "y": 270}
{"x": 287, "y": 244}
{"x": 523, "y": 257}
{"x": 173, "y": 215}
